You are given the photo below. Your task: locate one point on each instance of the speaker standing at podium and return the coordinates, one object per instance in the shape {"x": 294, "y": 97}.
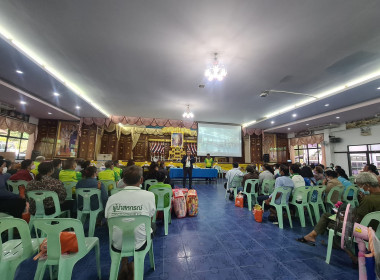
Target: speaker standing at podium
{"x": 187, "y": 162}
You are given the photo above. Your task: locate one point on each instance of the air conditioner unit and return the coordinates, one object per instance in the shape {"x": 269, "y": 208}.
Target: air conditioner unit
{"x": 6, "y": 106}
{"x": 333, "y": 139}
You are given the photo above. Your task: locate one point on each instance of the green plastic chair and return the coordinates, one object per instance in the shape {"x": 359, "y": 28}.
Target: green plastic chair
{"x": 109, "y": 184}
{"x": 267, "y": 186}
{"x": 354, "y": 201}
{"x": 318, "y": 204}
{"x": 365, "y": 222}
{"x": 52, "y": 229}
{"x": 12, "y": 254}
{"x": 116, "y": 190}
{"x": 10, "y": 231}
{"x": 352, "y": 179}
{"x": 304, "y": 203}
{"x": 70, "y": 189}
{"x": 330, "y": 204}
{"x": 160, "y": 194}
{"x": 86, "y": 194}
{"x": 285, "y": 191}
{"x": 149, "y": 182}
{"x": 128, "y": 224}
{"x": 38, "y": 197}
{"x": 15, "y": 184}
{"x": 235, "y": 184}
{"x": 253, "y": 192}
{"x": 319, "y": 182}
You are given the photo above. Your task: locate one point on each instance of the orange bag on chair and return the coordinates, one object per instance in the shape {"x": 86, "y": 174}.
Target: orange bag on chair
{"x": 69, "y": 244}
{"x": 239, "y": 201}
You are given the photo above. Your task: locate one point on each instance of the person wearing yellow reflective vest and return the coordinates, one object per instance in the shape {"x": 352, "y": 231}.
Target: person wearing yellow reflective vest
{"x": 209, "y": 163}
{"x": 117, "y": 169}
{"x": 109, "y": 174}
{"x": 36, "y": 163}
{"x": 68, "y": 173}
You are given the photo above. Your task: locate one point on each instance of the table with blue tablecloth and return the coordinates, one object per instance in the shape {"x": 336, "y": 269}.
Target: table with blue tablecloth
{"x": 197, "y": 173}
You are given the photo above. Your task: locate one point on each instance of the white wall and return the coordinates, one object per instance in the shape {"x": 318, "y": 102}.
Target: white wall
{"x": 348, "y": 137}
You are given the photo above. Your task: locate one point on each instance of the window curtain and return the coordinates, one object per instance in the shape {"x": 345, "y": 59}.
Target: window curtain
{"x": 16, "y": 125}
{"x": 313, "y": 139}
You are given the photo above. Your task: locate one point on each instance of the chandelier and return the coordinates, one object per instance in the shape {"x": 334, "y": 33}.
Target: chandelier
{"x": 188, "y": 114}
{"x": 216, "y": 71}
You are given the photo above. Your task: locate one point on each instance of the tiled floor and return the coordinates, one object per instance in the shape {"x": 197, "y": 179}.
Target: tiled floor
{"x": 224, "y": 242}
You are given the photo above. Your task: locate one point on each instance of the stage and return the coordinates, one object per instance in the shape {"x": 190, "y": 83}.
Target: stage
{"x": 198, "y": 173}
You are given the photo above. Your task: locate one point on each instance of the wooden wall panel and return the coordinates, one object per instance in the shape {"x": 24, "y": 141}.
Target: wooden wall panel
{"x": 140, "y": 152}
{"x": 282, "y": 148}
{"x": 256, "y": 148}
{"x": 46, "y": 137}
{"x": 87, "y": 142}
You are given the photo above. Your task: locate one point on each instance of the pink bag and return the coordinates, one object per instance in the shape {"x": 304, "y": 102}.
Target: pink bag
{"x": 179, "y": 204}
{"x": 192, "y": 203}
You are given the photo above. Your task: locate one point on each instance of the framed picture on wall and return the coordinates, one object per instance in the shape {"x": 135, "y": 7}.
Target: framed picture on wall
{"x": 177, "y": 139}
{"x": 67, "y": 139}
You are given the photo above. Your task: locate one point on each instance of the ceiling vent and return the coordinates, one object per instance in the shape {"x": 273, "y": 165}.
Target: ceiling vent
{"x": 6, "y": 106}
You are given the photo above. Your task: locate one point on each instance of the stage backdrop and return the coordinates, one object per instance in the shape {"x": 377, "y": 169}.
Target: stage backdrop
{"x": 67, "y": 139}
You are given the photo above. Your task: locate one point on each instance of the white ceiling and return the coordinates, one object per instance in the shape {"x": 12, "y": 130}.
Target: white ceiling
{"x": 147, "y": 58}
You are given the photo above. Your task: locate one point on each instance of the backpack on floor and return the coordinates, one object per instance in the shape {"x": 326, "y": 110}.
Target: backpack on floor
{"x": 179, "y": 204}
{"x": 192, "y": 203}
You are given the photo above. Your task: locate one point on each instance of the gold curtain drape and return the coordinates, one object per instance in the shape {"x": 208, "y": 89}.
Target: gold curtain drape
{"x": 314, "y": 139}
{"x": 16, "y": 125}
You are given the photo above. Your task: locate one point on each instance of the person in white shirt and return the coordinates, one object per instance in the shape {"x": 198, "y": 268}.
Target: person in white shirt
{"x": 131, "y": 201}
{"x": 235, "y": 171}
{"x": 297, "y": 179}
{"x": 267, "y": 174}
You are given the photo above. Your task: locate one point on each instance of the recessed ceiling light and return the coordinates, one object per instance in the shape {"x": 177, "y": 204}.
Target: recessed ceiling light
{"x": 22, "y": 102}
{"x": 77, "y": 107}
{"x": 49, "y": 113}
{"x": 19, "y": 72}
{"x": 272, "y": 122}
{"x": 378, "y": 88}
{"x": 327, "y": 105}
{"x": 288, "y": 128}
{"x": 56, "y": 94}
{"x": 338, "y": 117}
{"x": 307, "y": 124}
{"x": 294, "y": 115}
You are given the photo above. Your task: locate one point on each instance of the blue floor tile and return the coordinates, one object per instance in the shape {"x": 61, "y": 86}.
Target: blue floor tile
{"x": 223, "y": 242}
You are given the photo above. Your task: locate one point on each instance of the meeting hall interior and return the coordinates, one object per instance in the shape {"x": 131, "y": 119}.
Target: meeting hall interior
{"x": 189, "y": 139}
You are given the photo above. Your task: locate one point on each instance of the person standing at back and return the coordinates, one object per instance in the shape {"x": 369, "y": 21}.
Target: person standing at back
{"x": 209, "y": 162}
{"x": 187, "y": 162}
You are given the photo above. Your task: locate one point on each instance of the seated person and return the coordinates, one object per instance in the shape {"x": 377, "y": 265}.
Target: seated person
{"x": 330, "y": 182}
{"x": 90, "y": 181}
{"x": 131, "y": 198}
{"x": 266, "y": 174}
{"x": 84, "y": 165}
{"x": 161, "y": 184}
{"x": 68, "y": 173}
{"x": 6, "y": 173}
{"x": 44, "y": 182}
{"x": 57, "y": 164}
{"x": 152, "y": 172}
{"x": 14, "y": 168}
{"x": 117, "y": 169}
{"x": 235, "y": 171}
{"x": 307, "y": 175}
{"x": 36, "y": 163}
{"x": 162, "y": 168}
{"x": 343, "y": 178}
{"x": 10, "y": 203}
{"x": 109, "y": 174}
{"x": 367, "y": 204}
{"x": 318, "y": 173}
{"x": 251, "y": 174}
{"x": 297, "y": 179}
{"x": 282, "y": 181}
{"x": 25, "y": 172}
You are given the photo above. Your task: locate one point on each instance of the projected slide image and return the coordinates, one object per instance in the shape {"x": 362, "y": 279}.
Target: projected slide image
{"x": 219, "y": 140}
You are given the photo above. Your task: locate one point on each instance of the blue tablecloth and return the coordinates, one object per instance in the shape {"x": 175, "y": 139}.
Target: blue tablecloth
{"x": 197, "y": 173}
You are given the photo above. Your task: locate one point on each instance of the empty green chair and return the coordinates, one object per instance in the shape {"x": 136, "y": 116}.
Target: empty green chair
{"x": 302, "y": 204}
{"x": 365, "y": 222}
{"x": 14, "y": 252}
{"x": 235, "y": 184}
{"x": 329, "y": 203}
{"x": 128, "y": 224}
{"x": 51, "y": 228}
{"x": 70, "y": 189}
{"x": 252, "y": 192}
{"x": 15, "y": 184}
{"x": 316, "y": 201}
{"x": 109, "y": 184}
{"x": 38, "y": 197}
{"x": 267, "y": 186}
{"x": 149, "y": 182}
{"x": 10, "y": 231}
{"x": 285, "y": 192}
{"x": 86, "y": 194}
{"x": 163, "y": 195}
{"x": 354, "y": 201}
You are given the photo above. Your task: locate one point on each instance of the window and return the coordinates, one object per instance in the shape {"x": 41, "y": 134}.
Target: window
{"x": 13, "y": 141}
{"x": 360, "y": 155}
{"x": 309, "y": 154}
